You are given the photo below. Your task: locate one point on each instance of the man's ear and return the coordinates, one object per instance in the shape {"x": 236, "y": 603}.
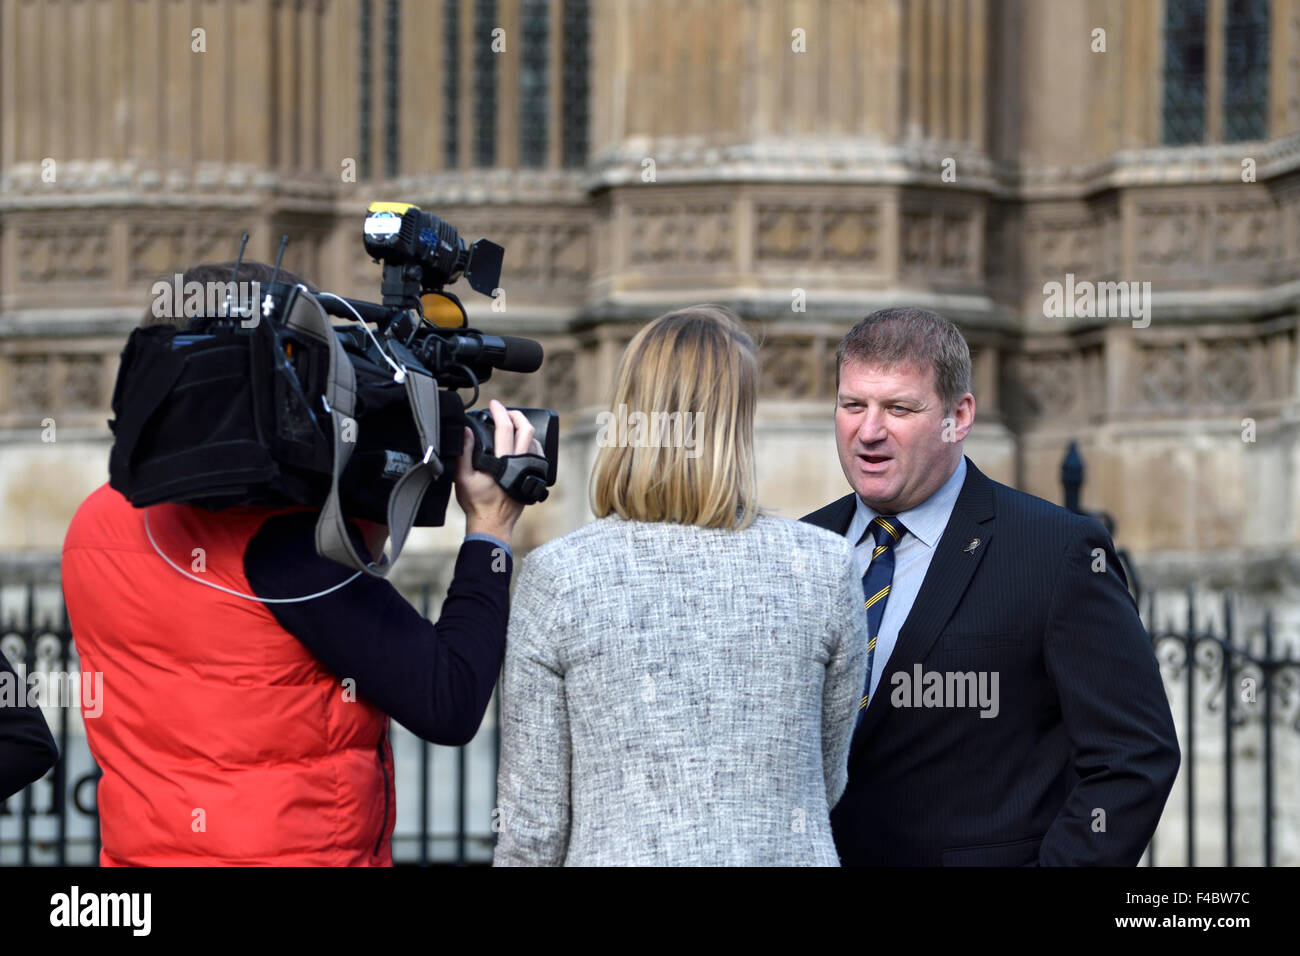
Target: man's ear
{"x": 968, "y": 401}
{"x": 963, "y": 415}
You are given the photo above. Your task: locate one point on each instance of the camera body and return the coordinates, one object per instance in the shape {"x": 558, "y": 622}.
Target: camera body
{"x": 283, "y": 407}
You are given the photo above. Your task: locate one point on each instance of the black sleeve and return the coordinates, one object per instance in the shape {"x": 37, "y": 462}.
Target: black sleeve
{"x": 1114, "y": 707}
{"x": 27, "y": 748}
{"x": 436, "y": 680}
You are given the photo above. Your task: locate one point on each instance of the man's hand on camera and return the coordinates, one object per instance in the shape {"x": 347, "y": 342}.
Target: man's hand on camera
{"x": 488, "y": 509}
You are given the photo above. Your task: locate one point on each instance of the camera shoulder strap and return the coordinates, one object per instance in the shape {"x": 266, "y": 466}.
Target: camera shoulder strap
{"x": 408, "y": 493}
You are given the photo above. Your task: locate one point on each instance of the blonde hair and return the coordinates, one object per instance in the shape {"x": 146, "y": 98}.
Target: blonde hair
{"x": 696, "y": 368}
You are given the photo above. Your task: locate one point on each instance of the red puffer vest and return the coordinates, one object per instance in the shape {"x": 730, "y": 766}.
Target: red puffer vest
{"x": 222, "y": 739}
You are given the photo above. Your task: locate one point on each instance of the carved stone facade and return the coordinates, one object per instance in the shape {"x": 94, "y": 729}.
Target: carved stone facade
{"x": 803, "y": 162}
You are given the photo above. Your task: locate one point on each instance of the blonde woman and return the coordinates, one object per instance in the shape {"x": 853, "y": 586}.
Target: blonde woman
{"x": 682, "y": 675}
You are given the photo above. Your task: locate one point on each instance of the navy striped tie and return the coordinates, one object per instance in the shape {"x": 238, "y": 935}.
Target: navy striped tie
{"x": 888, "y": 531}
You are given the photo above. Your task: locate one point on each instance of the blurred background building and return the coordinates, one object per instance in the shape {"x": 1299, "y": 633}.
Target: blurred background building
{"x": 804, "y": 162}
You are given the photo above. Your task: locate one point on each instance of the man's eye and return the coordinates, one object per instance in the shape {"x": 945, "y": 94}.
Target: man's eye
{"x": 899, "y": 408}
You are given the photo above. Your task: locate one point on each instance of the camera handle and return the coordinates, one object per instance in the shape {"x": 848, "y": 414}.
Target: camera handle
{"x": 522, "y": 476}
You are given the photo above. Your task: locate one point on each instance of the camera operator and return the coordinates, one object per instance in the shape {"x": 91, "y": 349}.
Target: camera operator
{"x": 248, "y": 733}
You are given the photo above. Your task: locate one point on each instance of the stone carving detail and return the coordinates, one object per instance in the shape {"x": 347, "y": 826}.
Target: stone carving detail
{"x": 1083, "y": 240}
{"x": 1245, "y": 232}
{"x": 785, "y": 232}
{"x": 851, "y": 234}
{"x": 1056, "y": 247}
{"x": 1169, "y": 234}
{"x": 1163, "y": 376}
{"x": 938, "y": 240}
{"x": 918, "y": 238}
{"x": 1039, "y": 384}
{"x": 214, "y": 244}
{"x": 541, "y": 253}
{"x": 818, "y": 233}
{"x": 999, "y": 254}
{"x": 49, "y": 382}
{"x": 1229, "y": 373}
{"x": 1109, "y": 240}
{"x": 157, "y": 251}
{"x": 787, "y": 369}
{"x": 1197, "y": 236}
{"x": 1215, "y": 375}
{"x": 686, "y": 234}
{"x": 83, "y": 382}
{"x": 955, "y": 241}
{"x": 75, "y": 252}
{"x": 32, "y": 389}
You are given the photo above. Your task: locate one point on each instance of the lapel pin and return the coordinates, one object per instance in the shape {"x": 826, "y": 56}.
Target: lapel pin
{"x": 970, "y": 548}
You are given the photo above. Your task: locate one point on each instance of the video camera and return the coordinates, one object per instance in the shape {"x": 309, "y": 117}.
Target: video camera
{"x": 267, "y": 402}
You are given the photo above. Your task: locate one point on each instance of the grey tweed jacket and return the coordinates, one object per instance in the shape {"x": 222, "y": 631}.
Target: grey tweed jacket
{"x": 675, "y": 695}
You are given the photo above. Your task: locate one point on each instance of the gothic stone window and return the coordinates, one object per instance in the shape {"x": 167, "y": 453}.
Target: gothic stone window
{"x": 1189, "y": 36}
{"x": 1245, "y": 71}
{"x": 552, "y": 33}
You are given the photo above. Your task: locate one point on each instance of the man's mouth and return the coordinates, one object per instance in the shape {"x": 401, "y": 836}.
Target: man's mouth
{"x": 874, "y": 463}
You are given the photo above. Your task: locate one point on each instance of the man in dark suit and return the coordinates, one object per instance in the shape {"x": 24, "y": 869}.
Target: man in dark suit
{"x": 1013, "y": 712}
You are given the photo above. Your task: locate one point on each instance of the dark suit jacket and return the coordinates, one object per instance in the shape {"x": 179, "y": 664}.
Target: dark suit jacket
{"x": 1076, "y": 766}
{"x": 27, "y": 749}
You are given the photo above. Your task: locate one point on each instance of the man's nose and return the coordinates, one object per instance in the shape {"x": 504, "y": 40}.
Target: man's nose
{"x": 872, "y": 428}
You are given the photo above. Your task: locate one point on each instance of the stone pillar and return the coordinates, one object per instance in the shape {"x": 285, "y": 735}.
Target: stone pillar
{"x": 977, "y": 104}
{"x": 1143, "y": 51}
{"x": 1284, "y": 69}
{"x": 311, "y": 70}
{"x": 179, "y": 115}
{"x": 250, "y": 128}
{"x": 422, "y": 97}
{"x": 507, "y": 65}
{"x": 913, "y": 50}
{"x": 338, "y": 92}
{"x": 10, "y": 54}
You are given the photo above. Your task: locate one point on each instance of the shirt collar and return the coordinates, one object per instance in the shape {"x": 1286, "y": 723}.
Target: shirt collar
{"x": 927, "y": 520}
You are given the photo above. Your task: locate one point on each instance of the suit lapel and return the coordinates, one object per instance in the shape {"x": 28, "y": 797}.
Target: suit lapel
{"x": 946, "y": 580}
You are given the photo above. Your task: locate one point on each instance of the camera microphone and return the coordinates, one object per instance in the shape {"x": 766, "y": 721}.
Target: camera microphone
{"x": 509, "y": 353}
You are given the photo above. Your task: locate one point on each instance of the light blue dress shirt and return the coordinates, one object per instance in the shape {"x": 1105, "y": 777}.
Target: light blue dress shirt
{"x": 912, "y": 555}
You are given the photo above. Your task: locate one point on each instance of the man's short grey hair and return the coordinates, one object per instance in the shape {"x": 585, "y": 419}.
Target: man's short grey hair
{"x": 894, "y": 337}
